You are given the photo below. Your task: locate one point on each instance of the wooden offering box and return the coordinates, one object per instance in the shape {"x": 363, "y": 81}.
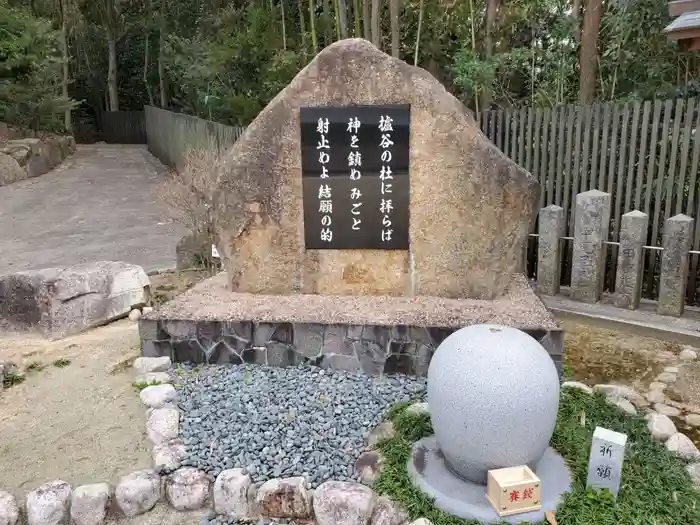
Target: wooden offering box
{"x": 513, "y": 490}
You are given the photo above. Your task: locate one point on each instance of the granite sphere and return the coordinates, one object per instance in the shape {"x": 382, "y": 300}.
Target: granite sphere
{"x": 493, "y": 395}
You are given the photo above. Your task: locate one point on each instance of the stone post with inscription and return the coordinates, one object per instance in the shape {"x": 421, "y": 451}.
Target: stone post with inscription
{"x": 551, "y": 228}
{"x": 591, "y": 224}
{"x": 630, "y": 265}
{"x": 678, "y": 232}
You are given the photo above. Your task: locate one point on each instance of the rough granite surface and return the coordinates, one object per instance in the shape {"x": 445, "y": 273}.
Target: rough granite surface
{"x": 211, "y": 300}
{"x": 471, "y": 207}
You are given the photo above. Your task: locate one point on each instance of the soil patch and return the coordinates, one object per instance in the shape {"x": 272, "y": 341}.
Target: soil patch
{"x": 76, "y": 417}
{"x": 594, "y": 355}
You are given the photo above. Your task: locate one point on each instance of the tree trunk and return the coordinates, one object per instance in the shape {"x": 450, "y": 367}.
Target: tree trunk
{"x": 492, "y": 7}
{"x": 284, "y": 27}
{"x": 302, "y": 25}
{"x": 64, "y": 52}
{"x": 375, "y": 23}
{"x": 420, "y": 24}
{"x": 357, "y": 19}
{"x": 146, "y": 61}
{"x": 327, "y": 33}
{"x": 588, "y": 60}
{"x": 366, "y": 21}
{"x": 161, "y": 58}
{"x": 394, "y": 10}
{"x": 343, "y": 18}
{"x": 112, "y": 87}
{"x": 312, "y": 19}
{"x": 336, "y": 18}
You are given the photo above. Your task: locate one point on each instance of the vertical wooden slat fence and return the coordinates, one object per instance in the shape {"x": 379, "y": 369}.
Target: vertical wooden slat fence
{"x": 646, "y": 155}
{"x": 172, "y": 135}
{"x": 124, "y": 127}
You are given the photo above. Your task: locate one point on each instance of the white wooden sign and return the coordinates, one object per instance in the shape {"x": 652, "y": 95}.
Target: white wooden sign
{"x": 215, "y": 252}
{"x": 605, "y": 462}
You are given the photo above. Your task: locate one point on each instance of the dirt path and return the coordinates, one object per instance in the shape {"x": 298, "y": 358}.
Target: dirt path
{"x": 103, "y": 206}
{"x": 83, "y": 422}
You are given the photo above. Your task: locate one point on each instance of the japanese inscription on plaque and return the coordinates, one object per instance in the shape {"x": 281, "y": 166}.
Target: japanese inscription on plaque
{"x": 605, "y": 462}
{"x": 355, "y": 177}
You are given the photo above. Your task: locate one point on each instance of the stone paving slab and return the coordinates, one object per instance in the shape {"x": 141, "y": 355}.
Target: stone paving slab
{"x": 99, "y": 204}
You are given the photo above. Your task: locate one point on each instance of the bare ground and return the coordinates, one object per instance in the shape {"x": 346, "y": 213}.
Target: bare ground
{"x": 82, "y": 423}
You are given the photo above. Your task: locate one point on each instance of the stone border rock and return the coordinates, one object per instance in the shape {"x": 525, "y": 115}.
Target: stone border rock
{"x": 231, "y": 494}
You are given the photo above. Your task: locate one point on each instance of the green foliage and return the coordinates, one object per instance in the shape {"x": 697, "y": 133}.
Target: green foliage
{"x": 30, "y": 71}
{"x": 655, "y": 486}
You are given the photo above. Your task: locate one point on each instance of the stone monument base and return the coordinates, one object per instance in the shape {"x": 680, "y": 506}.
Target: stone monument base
{"x": 467, "y": 500}
{"x": 374, "y": 334}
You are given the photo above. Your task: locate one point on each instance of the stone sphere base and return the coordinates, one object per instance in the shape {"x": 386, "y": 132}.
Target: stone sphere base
{"x": 467, "y": 500}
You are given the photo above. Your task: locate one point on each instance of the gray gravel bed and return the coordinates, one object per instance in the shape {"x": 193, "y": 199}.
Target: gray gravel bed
{"x": 223, "y": 520}
{"x": 281, "y": 422}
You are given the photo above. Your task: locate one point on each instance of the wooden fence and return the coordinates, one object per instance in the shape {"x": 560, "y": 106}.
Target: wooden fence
{"x": 124, "y": 127}
{"x": 171, "y": 135}
{"x": 644, "y": 154}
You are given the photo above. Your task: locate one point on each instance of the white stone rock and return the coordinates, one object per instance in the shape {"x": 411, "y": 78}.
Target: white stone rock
{"x": 623, "y": 405}
{"x": 666, "y": 377}
{"x": 667, "y": 410}
{"x": 665, "y": 355}
{"x": 693, "y": 471}
{"x": 146, "y": 365}
{"x": 284, "y": 498}
{"x": 386, "y": 512}
{"x": 613, "y": 392}
{"x": 158, "y": 396}
{"x": 578, "y": 386}
{"x": 231, "y": 493}
{"x": 168, "y": 456}
{"x": 671, "y": 369}
{"x": 681, "y": 445}
{"x": 187, "y": 489}
{"x": 656, "y": 396}
{"x": 134, "y": 315}
{"x": 9, "y": 510}
{"x": 385, "y": 430}
{"x": 343, "y": 503}
{"x": 89, "y": 504}
{"x": 163, "y": 425}
{"x": 49, "y": 504}
{"x": 418, "y": 409}
{"x": 422, "y": 521}
{"x": 146, "y": 310}
{"x": 692, "y": 420}
{"x": 688, "y": 354}
{"x": 660, "y": 426}
{"x": 138, "y": 492}
{"x": 657, "y": 385}
{"x": 153, "y": 378}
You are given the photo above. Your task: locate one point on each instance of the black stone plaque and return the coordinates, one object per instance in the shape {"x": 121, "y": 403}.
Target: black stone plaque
{"x": 355, "y": 164}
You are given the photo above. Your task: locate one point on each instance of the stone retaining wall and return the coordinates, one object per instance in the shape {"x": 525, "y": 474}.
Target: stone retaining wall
{"x": 30, "y": 157}
{"x": 374, "y": 349}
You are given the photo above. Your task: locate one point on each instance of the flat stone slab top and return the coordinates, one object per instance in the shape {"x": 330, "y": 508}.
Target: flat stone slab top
{"x": 373, "y": 334}
{"x": 466, "y": 499}
{"x": 211, "y": 300}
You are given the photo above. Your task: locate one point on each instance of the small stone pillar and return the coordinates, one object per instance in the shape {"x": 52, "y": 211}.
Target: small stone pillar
{"x": 630, "y": 263}
{"x": 591, "y": 224}
{"x": 551, "y": 228}
{"x": 678, "y": 232}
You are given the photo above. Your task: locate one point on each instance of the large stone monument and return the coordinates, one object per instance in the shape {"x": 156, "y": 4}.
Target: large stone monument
{"x": 471, "y": 208}
{"x": 361, "y": 219}
{"x": 493, "y": 395}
